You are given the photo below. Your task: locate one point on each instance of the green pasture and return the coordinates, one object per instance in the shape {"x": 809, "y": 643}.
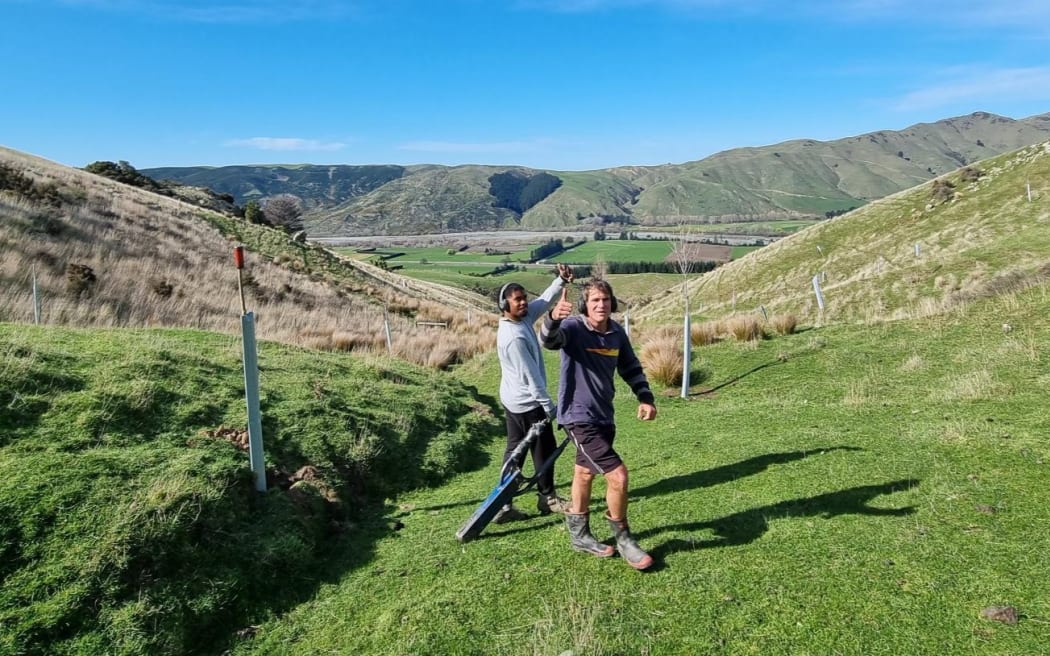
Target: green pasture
{"x": 775, "y": 228}
{"x": 616, "y": 250}
{"x": 838, "y": 491}
{"x": 847, "y": 490}
{"x": 628, "y": 250}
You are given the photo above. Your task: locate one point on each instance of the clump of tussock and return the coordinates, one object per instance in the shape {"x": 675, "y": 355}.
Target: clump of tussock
{"x": 783, "y": 324}
{"x": 662, "y": 360}
{"x": 705, "y": 332}
{"x": 428, "y": 349}
{"x": 345, "y": 340}
{"x": 745, "y": 327}
{"x": 665, "y": 332}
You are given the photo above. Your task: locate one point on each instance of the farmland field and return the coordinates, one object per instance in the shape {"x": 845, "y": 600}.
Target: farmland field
{"x": 616, "y": 250}
{"x": 474, "y": 269}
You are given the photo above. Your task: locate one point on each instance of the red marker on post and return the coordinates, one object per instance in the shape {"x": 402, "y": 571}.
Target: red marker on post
{"x": 238, "y": 260}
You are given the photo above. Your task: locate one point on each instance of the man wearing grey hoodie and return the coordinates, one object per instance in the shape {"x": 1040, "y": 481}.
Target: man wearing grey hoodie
{"x": 523, "y": 385}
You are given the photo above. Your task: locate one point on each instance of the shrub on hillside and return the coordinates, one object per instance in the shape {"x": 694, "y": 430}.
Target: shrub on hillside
{"x": 253, "y": 212}
{"x": 942, "y": 191}
{"x": 126, "y": 174}
{"x": 20, "y": 184}
{"x": 284, "y": 211}
{"x": 80, "y": 279}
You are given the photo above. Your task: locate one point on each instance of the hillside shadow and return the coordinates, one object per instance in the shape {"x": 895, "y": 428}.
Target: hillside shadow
{"x": 730, "y": 472}
{"x": 749, "y": 525}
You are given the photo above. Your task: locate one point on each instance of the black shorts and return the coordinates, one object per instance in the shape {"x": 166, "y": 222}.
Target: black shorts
{"x": 594, "y": 447}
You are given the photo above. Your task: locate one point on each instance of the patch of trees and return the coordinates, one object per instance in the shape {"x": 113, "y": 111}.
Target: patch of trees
{"x": 831, "y": 214}
{"x": 652, "y": 267}
{"x": 126, "y": 173}
{"x": 502, "y": 268}
{"x": 514, "y": 190}
{"x": 544, "y": 251}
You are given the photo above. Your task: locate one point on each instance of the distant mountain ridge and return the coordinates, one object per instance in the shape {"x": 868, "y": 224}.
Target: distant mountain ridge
{"x": 797, "y": 178}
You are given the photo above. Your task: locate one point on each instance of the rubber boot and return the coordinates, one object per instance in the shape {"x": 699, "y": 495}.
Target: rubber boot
{"x": 625, "y": 544}
{"x": 547, "y": 504}
{"x": 580, "y": 531}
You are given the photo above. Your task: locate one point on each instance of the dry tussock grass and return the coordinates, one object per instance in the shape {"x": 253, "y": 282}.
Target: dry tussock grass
{"x": 971, "y": 386}
{"x": 662, "y": 360}
{"x": 660, "y": 333}
{"x": 705, "y": 332}
{"x": 107, "y": 255}
{"x": 783, "y": 324}
{"x": 744, "y": 327}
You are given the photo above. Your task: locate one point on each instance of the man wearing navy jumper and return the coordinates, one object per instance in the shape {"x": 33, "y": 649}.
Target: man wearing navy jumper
{"x": 523, "y": 385}
{"x": 593, "y": 349}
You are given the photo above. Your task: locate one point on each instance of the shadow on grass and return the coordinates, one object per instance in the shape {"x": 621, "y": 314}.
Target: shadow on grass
{"x": 727, "y": 473}
{"x": 735, "y": 379}
{"x": 749, "y": 525}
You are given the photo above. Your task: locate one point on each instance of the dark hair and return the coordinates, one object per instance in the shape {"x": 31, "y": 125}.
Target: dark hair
{"x": 506, "y": 291}
{"x": 595, "y": 285}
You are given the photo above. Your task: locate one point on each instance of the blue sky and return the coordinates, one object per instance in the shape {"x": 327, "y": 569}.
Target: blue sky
{"x": 555, "y": 84}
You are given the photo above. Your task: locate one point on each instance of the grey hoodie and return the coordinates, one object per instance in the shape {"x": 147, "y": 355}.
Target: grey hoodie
{"x": 523, "y": 378}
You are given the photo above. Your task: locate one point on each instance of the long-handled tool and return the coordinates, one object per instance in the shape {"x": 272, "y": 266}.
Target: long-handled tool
{"x": 512, "y": 483}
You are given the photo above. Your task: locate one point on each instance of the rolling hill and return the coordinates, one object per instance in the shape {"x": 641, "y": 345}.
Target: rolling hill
{"x": 802, "y": 177}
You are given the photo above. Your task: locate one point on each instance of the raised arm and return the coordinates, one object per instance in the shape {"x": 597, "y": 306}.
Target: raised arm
{"x": 539, "y": 305}
{"x": 551, "y": 334}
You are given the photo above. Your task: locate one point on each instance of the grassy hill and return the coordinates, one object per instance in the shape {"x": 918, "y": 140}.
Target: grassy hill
{"x": 970, "y": 233}
{"x": 103, "y": 253}
{"x": 796, "y": 178}
{"x": 841, "y": 490}
{"x": 128, "y": 521}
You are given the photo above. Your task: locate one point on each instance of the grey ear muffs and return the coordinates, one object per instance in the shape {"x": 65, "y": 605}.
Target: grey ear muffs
{"x": 503, "y": 304}
{"x": 581, "y": 304}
